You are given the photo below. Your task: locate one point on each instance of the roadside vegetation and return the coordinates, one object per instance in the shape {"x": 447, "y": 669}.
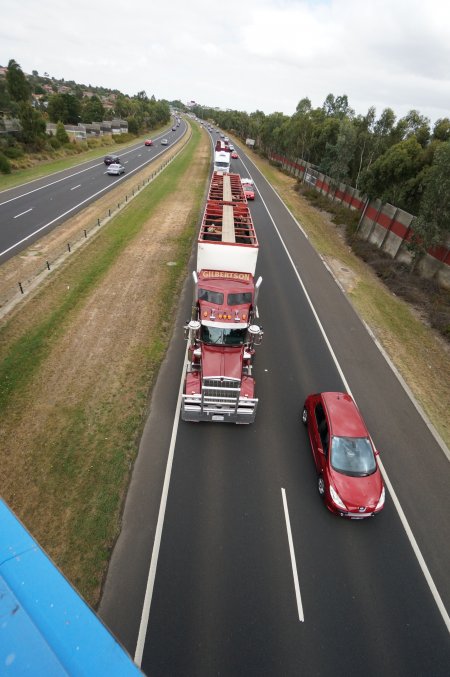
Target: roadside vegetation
{"x": 429, "y": 299}
{"x": 405, "y": 161}
{"x": 78, "y": 362}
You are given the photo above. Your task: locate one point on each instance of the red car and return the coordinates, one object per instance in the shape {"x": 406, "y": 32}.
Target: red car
{"x": 249, "y": 191}
{"x": 234, "y": 155}
{"x": 148, "y": 142}
{"x": 349, "y": 479}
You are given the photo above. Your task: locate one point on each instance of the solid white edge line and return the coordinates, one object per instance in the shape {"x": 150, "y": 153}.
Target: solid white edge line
{"x": 158, "y": 533}
{"x": 301, "y": 616}
{"x": 401, "y": 514}
{"x": 415, "y": 547}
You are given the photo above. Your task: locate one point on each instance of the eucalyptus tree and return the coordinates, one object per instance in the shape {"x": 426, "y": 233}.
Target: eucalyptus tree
{"x": 18, "y": 86}
{"x": 338, "y": 156}
{"x": 432, "y": 226}
{"x": 389, "y": 176}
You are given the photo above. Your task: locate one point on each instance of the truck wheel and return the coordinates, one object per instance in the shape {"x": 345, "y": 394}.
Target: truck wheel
{"x": 304, "y": 416}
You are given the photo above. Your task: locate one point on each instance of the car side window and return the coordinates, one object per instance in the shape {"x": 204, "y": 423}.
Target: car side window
{"x": 322, "y": 427}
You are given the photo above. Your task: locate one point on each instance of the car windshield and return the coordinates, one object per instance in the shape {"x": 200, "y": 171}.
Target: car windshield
{"x": 221, "y": 164}
{"x": 353, "y": 456}
{"x": 223, "y": 337}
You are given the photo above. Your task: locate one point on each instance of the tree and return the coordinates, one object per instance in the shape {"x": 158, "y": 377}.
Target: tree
{"x": 61, "y": 133}
{"x": 337, "y": 106}
{"x": 57, "y": 109}
{"x": 432, "y": 226}
{"x": 337, "y": 157}
{"x": 18, "y": 87}
{"x": 303, "y": 106}
{"x": 92, "y": 110}
{"x": 133, "y": 126}
{"x": 413, "y": 124}
{"x": 65, "y": 108}
{"x": 364, "y": 147}
{"x": 32, "y": 123}
{"x": 389, "y": 175}
{"x": 441, "y": 130}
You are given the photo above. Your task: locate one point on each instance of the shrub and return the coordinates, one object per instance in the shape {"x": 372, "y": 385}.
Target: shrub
{"x": 5, "y": 165}
{"x": 13, "y": 152}
{"x": 54, "y": 143}
{"x": 122, "y": 138}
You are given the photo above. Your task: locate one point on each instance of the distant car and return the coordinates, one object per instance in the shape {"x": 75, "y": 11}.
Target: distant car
{"x": 348, "y": 477}
{"x": 164, "y": 142}
{"x": 110, "y": 159}
{"x": 174, "y": 129}
{"x": 231, "y": 146}
{"x": 148, "y": 142}
{"x": 249, "y": 191}
{"x": 226, "y": 139}
{"x": 246, "y": 180}
{"x": 234, "y": 155}
{"x": 115, "y": 168}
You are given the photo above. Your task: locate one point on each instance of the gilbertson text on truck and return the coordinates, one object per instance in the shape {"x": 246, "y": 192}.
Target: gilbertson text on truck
{"x": 222, "y": 333}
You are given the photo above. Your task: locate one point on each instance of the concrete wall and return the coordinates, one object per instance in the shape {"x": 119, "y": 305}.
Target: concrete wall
{"x": 385, "y": 225}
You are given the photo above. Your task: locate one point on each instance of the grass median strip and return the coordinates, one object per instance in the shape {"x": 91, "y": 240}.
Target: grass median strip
{"x": 78, "y": 362}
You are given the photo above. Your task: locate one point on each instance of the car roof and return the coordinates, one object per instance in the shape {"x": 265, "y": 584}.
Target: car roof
{"x": 343, "y": 415}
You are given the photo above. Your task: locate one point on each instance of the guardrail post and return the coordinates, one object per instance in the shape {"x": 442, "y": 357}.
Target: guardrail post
{"x": 20, "y": 287}
{"x": 68, "y": 246}
{"x": 85, "y": 233}
{"x": 48, "y": 265}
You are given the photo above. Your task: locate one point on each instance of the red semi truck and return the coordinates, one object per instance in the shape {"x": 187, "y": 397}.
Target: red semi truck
{"x": 222, "y": 334}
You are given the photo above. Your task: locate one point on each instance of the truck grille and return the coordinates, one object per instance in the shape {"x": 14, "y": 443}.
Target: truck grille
{"x": 221, "y": 391}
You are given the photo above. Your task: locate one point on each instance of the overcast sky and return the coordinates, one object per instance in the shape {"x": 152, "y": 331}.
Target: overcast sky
{"x": 242, "y": 54}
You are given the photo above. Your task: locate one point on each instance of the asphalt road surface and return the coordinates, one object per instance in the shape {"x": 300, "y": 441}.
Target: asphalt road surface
{"x": 250, "y": 574}
{"x": 30, "y": 211}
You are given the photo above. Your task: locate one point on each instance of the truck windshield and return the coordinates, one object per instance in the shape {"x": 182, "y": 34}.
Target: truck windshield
{"x": 239, "y": 299}
{"x": 210, "y": 296}
{"x": 223, "y": 337}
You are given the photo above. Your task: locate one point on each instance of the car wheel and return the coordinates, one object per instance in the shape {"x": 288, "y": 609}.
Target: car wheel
{"x": 304, "y": 416}
{"x": 321, "y": 486}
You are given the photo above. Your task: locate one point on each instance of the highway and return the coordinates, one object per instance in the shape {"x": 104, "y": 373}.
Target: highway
{"x": 228, "y": 563}
{"x": 30, "y": 211}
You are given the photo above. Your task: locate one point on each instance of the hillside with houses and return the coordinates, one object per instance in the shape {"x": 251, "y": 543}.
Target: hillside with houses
{"x": 39, "y": 113}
